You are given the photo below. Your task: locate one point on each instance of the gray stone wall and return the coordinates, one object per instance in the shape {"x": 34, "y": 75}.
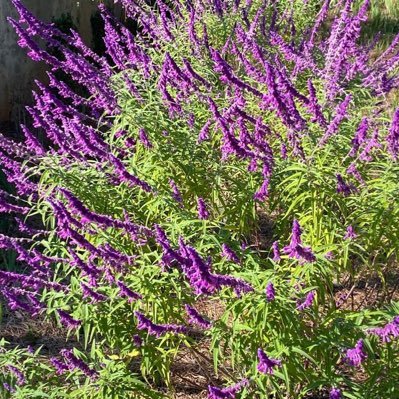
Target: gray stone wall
{"x": 17, "y": 71}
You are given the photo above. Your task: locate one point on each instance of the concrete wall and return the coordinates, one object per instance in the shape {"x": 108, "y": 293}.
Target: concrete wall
{"x": 17, "y": 71}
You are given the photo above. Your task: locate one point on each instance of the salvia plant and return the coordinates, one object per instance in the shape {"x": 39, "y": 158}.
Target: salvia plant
{"x": 223, "y": 184}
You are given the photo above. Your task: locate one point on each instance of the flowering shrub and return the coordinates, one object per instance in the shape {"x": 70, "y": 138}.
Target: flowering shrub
{"x": 152, "y": 190}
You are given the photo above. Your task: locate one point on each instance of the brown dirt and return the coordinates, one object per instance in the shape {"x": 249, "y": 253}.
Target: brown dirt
{"x": 191, "y": 374}
{"x": 20, "y": 329}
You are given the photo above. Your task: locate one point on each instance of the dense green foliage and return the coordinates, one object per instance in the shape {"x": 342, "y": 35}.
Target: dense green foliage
{"x": 310, "y": 341}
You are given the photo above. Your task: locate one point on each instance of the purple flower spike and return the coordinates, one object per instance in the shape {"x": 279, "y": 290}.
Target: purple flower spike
{"x": 343, "y": 187}
{"x": 18, "y": 374}
{"x": 276, "y": 252}
{"x": 360, "y": 136}
{"x": 204, "y": 132}
{"x": 8, "y": 387}
{"x": 126, "y": 292}
{"x": 157, "y": 329}
{"x": 370, "y": 145}
{"x": 203, "y": 213}
{"x": 335, "y": 393}
{"x": 329, "y": 255}
{"x": 389, "y": 331}
{"x": 393, "y": 136}
{"x": 93, "y": 295}
{"x": 305, "y": 254}
{"x": 283, "y": 151}
{"x": 350, "y": 233}
{"x": 60, "y": 367}
{"x": 308, "y": 302}
{"x": 340, "y": 115}
{"x": 266, "y": 364}
{"x": 226, "y": 393}
{"x": 196, "y": 318}
{"x": 68, "y": 320}
{"x": 137, "y": 340}
{"x": 270, "y": 292}
{"x": 144, "y": 139}
{"x": 352, "y": 170}
{"x": 314, "y": 106}
{"x": 175, "y": 192}
{"x": 263, "y": 191}
{"x": 296, "y": 233}
{"x": 75, "y": 363}
{"x": 229, "y": 254}
{"x": 356, "y": 355}
{"x": 296, "y": 250}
